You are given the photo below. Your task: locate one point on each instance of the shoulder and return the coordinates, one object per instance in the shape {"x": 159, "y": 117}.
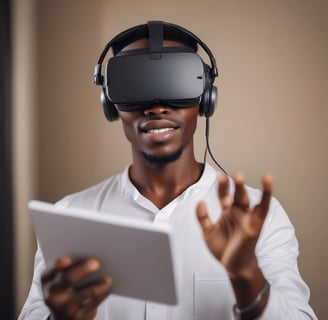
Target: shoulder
{"x": 93, "y": 197}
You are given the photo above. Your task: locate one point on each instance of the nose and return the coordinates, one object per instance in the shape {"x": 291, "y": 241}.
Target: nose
{"x": 157, "y": 109}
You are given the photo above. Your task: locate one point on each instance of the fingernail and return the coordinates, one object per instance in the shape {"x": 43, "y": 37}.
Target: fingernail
{"x": 93, "y": 264}
{"x": 226, "y": 201}
{"x": 239, "y": 177}
{"x": 64, "y": 261}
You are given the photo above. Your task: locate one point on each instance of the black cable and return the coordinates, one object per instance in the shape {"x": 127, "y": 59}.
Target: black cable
{"x": 208, "y": 148}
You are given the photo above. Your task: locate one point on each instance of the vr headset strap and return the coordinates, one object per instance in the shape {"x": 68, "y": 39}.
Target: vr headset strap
{"x": 156, "y": 36}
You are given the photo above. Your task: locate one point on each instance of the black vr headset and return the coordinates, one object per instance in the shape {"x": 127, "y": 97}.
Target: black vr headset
{"x": 175, "y": 76}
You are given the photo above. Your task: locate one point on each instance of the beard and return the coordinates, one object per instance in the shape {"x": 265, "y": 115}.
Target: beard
{"x": 162, "y": 160}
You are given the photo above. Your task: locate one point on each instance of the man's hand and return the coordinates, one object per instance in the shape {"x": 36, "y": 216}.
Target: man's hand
{"x": 61, "y": 294}
{"x": 233, "y": 237}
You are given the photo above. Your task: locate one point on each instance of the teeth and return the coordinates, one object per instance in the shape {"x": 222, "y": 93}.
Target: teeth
{"x": 161, "y": 130}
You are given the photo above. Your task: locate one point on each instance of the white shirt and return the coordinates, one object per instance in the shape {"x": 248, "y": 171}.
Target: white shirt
{"x": 205, "y": 292}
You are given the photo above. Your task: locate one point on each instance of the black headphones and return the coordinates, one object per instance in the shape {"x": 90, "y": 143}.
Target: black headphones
{"x": 169, "y": 32}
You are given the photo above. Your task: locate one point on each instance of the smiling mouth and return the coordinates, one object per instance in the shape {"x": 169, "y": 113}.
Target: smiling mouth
{"x": 159, "y": 130}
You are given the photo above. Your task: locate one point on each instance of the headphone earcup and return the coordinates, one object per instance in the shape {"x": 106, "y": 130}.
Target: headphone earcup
{"x": 110, "y": 110}
{"x": 208, "y": 101}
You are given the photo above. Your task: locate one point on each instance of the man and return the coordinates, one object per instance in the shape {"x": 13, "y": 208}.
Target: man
{"x": 237, "y": 248}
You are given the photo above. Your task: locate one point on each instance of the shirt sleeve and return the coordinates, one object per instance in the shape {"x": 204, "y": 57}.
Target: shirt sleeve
{"x": 277, "y": 252}
{"x": 34, "y": 307}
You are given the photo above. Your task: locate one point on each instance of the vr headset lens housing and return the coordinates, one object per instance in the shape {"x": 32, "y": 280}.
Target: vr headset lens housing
{"x": 136, "y": 80}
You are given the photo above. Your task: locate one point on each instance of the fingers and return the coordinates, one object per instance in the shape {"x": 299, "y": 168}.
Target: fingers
{"x": 267, "y": 183}
{"x": 240, "y": 198}
{"x": 203, "y": 218}
{"x": 59, "y": 265}
{"x": 264, "y": 204}
{"x": 93, "y": 294}
{"x": 81, "y": 270}
{"x": 90, "y": 297}
{"x": 63, "y": 294}
{"x": 67, "y": 274}
{"x": 81, "y": 303}
{"x": 224, "y": 194}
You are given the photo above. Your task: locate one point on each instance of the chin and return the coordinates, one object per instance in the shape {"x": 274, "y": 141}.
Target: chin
{"x": 162, "y": 159}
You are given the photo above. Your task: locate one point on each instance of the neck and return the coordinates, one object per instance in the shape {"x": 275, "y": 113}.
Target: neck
{"x": 162, "y": 183}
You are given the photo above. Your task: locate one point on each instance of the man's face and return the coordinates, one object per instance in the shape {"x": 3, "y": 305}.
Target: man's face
{"x": 160, "y": 133}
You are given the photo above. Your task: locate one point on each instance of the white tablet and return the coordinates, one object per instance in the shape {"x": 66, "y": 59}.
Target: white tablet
{"x": 138, "y": 255}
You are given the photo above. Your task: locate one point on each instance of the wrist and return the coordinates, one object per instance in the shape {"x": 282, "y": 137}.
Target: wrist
{"x": 255, "y": 308}
{"x": 244, "y": 271}
{"x": 249, "y": 286}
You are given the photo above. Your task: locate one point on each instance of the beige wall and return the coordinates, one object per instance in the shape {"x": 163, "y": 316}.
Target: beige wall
{"x": 271, "y": 115}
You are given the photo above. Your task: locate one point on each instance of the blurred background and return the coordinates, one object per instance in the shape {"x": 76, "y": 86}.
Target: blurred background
{"x": 271, "y": 116}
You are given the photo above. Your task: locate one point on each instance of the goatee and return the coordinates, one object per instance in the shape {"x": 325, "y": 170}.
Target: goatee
{"x": 160, "y": 160}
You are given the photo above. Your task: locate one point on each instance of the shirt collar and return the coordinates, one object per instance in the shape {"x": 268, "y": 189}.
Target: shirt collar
{"x": 208, "y": 178}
